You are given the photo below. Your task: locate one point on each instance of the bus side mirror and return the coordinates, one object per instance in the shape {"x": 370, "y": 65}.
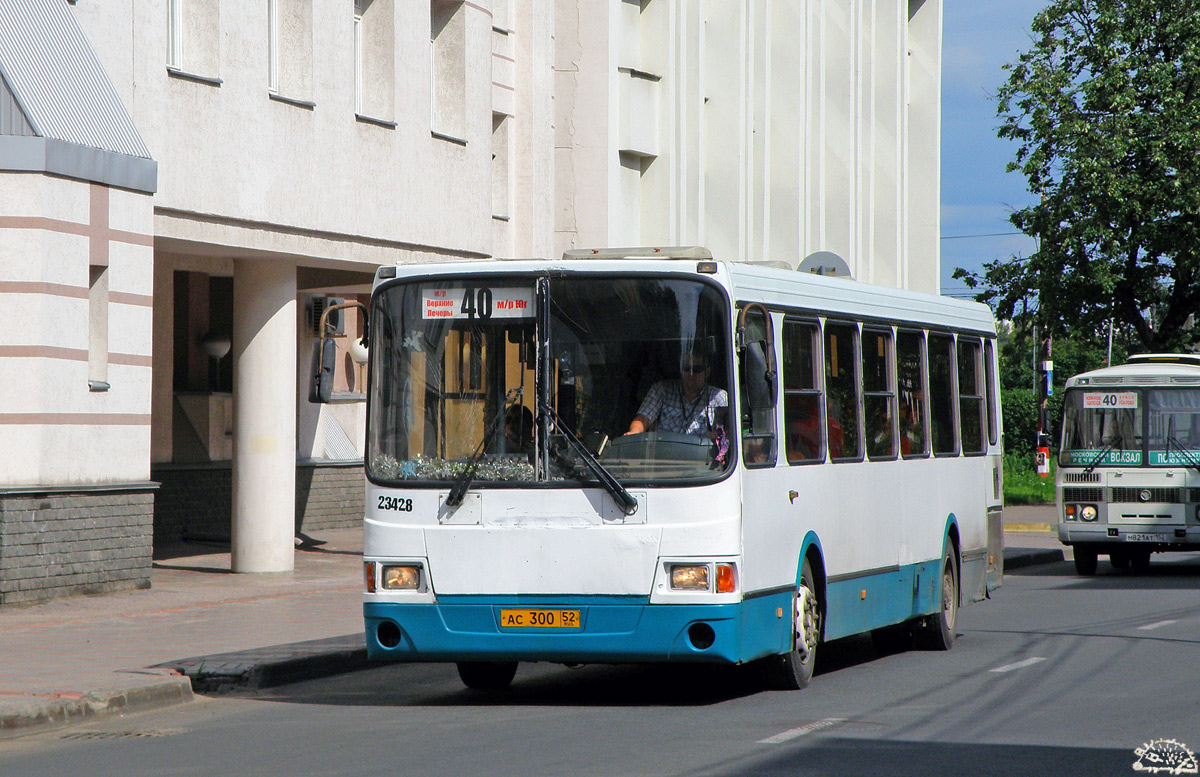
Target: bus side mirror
{"x": 324, "y": 357}
{"x": 759, "y": 372}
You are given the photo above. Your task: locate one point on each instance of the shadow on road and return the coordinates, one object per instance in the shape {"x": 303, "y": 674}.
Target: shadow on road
{"x": 1170, "y": 571}
{"x": 633, "y": 685}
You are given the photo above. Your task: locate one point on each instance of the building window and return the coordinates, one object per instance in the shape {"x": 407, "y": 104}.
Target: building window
{"x": 193, "y": 37}
{"x": 98, "y": 327}
{"x": 448, "y": 63}
{"x": 500, "y": 166}
{"x": 289, "y": 48}
{"x": 374, "y": 59}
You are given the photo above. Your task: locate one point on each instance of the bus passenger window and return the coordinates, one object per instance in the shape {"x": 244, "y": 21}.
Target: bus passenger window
{"x": 801, "y": 394}
{"x": 970, "y": 396}
{"x": 879, "y": 402}
{"x": 941, "y": 394}
{"x": 758, "y": 423}
{"x": 841, "y": 391}
{"x": 910, "y": 379}
{"x": 989, "y": 388}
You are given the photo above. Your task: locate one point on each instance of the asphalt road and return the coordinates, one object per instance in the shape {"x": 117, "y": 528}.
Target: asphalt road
{"x": 1055, "y": 675}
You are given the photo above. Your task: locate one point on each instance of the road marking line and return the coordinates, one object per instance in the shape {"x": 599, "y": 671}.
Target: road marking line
{"x": 1018, "y": 665}
{"x": 1152, "y": 626}
{"x": 800, "y": 731}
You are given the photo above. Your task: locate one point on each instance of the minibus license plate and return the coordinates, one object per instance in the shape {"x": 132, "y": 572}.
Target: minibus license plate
{"x": 539, "y": 619}
{"x": 1148, "y": 537}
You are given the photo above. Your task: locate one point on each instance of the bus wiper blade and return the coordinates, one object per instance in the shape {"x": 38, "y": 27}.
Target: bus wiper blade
{"x": 1192, "y": 461}
{"x": 461, "y": 483}
{"x": 1120, "y": 438}
{"x": 618, "y": 492}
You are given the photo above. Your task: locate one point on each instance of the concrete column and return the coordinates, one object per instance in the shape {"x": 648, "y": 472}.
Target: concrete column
{"x": 264, "y": 413}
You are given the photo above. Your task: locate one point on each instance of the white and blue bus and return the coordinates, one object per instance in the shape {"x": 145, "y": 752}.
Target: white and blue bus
{"x": 646, "y": 455}
{"x": 1128, "y": 482}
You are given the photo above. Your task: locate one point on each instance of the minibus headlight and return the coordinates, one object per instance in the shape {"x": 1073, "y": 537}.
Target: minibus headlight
{"x": 689, "y": 577}
{"x": 1088, "y": 512}
{"x": 401, "y": 577}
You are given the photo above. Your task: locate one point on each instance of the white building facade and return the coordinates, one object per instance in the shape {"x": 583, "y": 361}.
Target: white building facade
{"x": 169, "y": 235}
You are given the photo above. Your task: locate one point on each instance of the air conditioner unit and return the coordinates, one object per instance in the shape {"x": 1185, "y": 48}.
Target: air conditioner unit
{"x": 335, "y": 322}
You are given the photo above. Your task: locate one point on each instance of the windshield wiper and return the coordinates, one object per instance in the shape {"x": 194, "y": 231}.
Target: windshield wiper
{"x": 461, "y": 483}
{"x": 1119, "y": 439}
{"x": 618, "y": 492}
{"x": 1184, "y": 452}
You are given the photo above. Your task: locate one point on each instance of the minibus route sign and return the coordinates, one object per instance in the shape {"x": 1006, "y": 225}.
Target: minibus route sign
{"x": 1110, "y": 400}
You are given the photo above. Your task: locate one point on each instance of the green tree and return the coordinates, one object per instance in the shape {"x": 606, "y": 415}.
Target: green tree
{"x": 1105, "y": 111}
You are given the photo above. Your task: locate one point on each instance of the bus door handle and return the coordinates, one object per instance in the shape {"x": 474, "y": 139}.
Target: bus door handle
{"x": 792, "y": 496}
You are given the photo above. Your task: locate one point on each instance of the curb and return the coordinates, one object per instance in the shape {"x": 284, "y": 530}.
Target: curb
{"x": 45, "y": 714}
{"x": 250, "y": 670}
{"x": 1018, "y": 558}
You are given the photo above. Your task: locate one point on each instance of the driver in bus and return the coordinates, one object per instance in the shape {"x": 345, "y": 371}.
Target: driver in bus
{"x": 688, "y": 405}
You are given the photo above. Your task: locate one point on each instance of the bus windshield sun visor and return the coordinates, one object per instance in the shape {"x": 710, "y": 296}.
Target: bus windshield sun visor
{"x": 618, "y": 492}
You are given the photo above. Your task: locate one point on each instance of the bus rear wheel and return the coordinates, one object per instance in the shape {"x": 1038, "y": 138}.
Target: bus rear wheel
{"x": 487, "y": 675}
{"x": 939, "y": 631}
{"x": 793, "y": 670}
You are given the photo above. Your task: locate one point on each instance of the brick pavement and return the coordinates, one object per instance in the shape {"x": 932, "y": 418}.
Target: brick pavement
{"x": 72, "y": 659}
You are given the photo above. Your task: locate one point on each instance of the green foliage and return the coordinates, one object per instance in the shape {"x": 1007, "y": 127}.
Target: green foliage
{"x": 1023, "y": 485}
{"x": 1105, "y": 111}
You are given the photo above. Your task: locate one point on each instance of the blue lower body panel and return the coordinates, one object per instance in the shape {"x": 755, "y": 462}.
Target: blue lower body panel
{"x": 611, "y": 629}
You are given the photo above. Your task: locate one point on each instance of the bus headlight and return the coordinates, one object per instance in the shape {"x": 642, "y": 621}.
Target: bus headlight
{"x": 1087, "y": 513}
{"x": 1070, "y": 512}
{"x": 689, "y": 577}
{"x": 401, "y": 577}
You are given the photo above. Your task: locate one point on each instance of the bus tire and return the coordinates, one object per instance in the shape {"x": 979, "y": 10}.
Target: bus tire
{"x": 939, "y": 631}
{"x": 1139, "y": 560}
{"x": 1085, "y": 560}
{"x": 793, "y": 670}
{"x": 487, "y": 675}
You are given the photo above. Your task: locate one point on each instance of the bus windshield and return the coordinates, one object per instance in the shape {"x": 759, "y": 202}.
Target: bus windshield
{"x": 498, "y": 372}
{"x": 1101, "y": 427}
{"x": 1173, "y": 417}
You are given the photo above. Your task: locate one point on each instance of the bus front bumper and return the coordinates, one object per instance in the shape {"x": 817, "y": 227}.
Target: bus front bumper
{"x": 610, "y": 630}
{"x": 1151, "y": 536}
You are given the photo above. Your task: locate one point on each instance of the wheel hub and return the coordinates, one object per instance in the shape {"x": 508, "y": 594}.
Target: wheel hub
{"x": 807, "y": 619}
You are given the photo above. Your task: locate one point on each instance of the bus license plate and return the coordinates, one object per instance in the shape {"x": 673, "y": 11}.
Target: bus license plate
{"x": 539, "y": 619}
{"x": 1148, "y": 537}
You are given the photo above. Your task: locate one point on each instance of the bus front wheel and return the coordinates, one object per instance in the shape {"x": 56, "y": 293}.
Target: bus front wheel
{"x": 487, "y": 675}
{"x": 939, "y": 633}
{"x": 793, "y": 670}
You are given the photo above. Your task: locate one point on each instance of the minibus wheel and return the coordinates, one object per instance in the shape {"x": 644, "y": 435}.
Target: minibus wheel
{"x": 1085, "y": 560}
{"x": 487, "y": 675}
{"x": 793, "y": 670}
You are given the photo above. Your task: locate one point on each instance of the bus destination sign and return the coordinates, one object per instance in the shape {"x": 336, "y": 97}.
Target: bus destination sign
{"x": 479, "y": 303}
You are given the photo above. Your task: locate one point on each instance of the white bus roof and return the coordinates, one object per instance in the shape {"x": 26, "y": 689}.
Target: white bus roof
{"x": 770, "y": 283}
{"x": 1151, "y": 369}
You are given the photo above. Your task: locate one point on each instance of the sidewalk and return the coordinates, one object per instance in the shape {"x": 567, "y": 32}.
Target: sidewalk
{"x": 73, "y": 659}
{"x": 202, "y": 629}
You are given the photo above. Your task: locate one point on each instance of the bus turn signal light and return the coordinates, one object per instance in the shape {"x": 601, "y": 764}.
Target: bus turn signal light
{"x": 725, "y": 581}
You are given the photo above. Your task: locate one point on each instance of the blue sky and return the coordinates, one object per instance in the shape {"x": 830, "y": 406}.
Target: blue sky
{"x": 979, "y": 37}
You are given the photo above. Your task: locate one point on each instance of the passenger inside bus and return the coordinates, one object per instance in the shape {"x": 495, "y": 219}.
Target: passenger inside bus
{"x": 518, "y": 430}
{"x": 687, "y": 405}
